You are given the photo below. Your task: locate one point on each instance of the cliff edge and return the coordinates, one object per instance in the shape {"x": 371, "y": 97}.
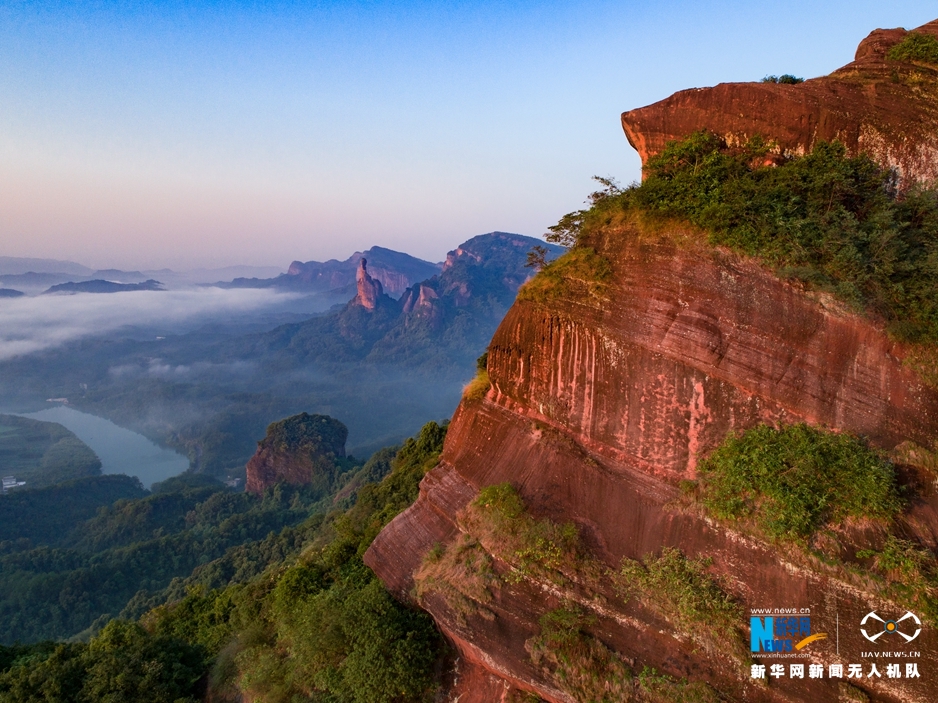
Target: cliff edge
{"x": 552, "y": 541}
{"x": 887, "y": 108}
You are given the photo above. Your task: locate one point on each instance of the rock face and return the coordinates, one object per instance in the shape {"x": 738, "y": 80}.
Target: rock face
{"x": 885, "y": 108}
{"x": 369, "y": 290}
{"x": 600, "y": 407}
{"x": 300, "y": 450}
{"x": 597, "y": 412}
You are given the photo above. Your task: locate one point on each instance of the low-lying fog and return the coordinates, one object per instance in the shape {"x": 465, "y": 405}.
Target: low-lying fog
{"x": 32, "y": 324}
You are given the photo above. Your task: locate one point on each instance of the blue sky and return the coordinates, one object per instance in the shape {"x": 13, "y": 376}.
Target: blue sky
{"x": 191, "y": 134}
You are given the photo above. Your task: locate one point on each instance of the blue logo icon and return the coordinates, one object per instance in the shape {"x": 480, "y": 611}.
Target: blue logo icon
{"x": 781, "y": 634}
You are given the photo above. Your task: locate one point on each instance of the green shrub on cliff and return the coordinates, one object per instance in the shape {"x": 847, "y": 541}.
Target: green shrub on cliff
{"x": 801, "y": 484}
{"x": 910, "y": 572}
{"x": 682, "y": 591}
{"x": 580, "y": 664}
{"x": 835, "y": 222}
{"x": 478, "y": 386}
{"x": 661, "y": 688}
{"x": 915, "y": 47}
{"x": 794, "y": 480}
{"x": 581, "y": 272}
{"x": 784, "y": 79}
{"x": 539, "y": 549}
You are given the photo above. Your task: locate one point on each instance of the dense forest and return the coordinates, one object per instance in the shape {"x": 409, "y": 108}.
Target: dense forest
{"x": 77, "y": 553}
{"x": 290, "y": 614}
{"x": 43, "y": 453}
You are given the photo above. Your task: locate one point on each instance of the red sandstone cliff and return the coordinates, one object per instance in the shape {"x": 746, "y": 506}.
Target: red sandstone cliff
{"x": 599, "y": 408}
{"x": 886, "y": 108}
{"x": 369, "y": 289}
{"x": 595, "y": 413}
{"x": 299, "y": 450}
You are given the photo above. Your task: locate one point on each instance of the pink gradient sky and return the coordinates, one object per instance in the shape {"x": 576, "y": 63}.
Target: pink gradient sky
{"x": 185, "y": 135}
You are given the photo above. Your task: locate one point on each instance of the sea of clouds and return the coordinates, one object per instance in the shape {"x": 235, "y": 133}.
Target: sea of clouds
{"x": 33, "y": 324}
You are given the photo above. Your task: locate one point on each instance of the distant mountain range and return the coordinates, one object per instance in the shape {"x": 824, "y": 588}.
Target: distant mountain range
{"x": 330, "y": 282}
{"x": 34, "y": 276}
{"x": 383, "y": 364}
{"x": 395, "y": 270}
{"x": 101, "y": 286}
{"x": 443, "y": 321}
{"x": 15, "y": 265}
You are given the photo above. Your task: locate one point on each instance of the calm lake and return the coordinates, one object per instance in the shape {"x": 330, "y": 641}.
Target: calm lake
{"x": 121, "y": 451}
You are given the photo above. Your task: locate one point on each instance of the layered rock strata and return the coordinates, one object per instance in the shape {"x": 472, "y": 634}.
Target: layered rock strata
{"x": 597, "y": 412}
{"x": 886, "y": 108}
{"x": 599, "y": 408}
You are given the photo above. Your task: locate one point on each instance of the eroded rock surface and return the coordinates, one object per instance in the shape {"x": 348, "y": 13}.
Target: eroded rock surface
{"x": 369, "y": 289}
{"x": 886, "y": 108}
{"x": 300, "y": 450}
{"x": 597, "y": 412}
{"x": 600, "y": 407}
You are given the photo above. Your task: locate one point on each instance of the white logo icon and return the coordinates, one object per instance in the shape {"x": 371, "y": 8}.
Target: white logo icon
{"x": 890, "y": 626}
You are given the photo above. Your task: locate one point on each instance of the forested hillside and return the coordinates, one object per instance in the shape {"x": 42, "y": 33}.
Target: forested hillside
{"x": 74, "y": 555}
{"x": 292, "y": 615}
{"x": 43, "y": 453}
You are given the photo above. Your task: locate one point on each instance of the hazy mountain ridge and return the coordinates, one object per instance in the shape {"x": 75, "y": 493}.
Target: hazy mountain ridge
{"x": 211, "y": 393}
{"x": 441, "y": 320}
{"x": 396, "y": 271}
{"x": 98, "y": 285}
{"x": 14, "y": 265}
{"x": 36, "y": 275}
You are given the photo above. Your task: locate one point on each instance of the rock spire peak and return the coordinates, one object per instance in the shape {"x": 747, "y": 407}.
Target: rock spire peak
{"x": 369, "y": 289}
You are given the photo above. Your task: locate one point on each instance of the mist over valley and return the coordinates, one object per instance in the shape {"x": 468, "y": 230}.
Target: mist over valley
{"x": 205, "y": 369}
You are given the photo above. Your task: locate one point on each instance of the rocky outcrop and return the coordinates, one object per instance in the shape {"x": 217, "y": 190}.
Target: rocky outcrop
{"x": 419, "y": 300}
{"x": 479, "y": 279}
{"x": 300, "y": 450}
{"x": 597, "y": 412}
{"x": 395, "y": 271}
{"x": 369, "y": 290}
{"x": 600, "y": 406}
{"x": 885, "y": 108}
